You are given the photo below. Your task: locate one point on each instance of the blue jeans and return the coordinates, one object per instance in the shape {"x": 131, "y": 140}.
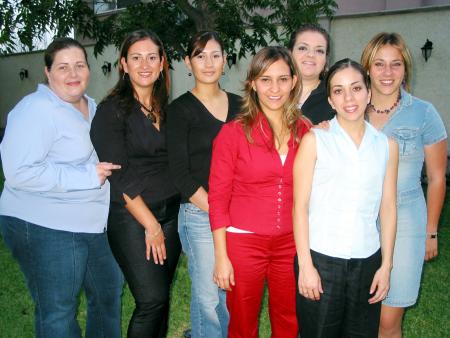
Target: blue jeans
{"x": 57, "y": 265}
{"x": 209, "y": 314}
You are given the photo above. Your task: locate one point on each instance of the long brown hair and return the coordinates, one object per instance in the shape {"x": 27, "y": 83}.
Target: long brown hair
{"x": 251, "y": 107}
{"x": 124, "y": 89}
{"x": 395, "y": 40}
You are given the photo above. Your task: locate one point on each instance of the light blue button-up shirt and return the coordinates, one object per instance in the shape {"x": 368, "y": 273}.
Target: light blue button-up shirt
{"x": 49, "y": 166}
{"x": 346, "y": 192}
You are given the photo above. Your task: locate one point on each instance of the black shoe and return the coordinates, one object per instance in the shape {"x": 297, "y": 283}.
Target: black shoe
{"x": 187, "y": 333}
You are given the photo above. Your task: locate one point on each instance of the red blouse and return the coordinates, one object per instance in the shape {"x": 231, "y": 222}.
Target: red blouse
{"x": 249, "y": 187}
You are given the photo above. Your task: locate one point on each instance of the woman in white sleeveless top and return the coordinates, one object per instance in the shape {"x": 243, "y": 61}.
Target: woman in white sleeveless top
{"x": 344, "y": 178}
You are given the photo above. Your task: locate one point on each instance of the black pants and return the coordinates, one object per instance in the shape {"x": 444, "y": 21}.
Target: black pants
{"x": 343, "y": 310}
{"x": 149, "y": 282}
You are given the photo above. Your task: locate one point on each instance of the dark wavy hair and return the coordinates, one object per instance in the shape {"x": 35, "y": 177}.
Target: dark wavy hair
{"x": 344, "y": 64}
{"x": 311, "y": 27}
{"x": 124, "y": 90}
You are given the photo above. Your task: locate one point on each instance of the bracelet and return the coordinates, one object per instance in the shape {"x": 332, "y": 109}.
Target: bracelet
{"x": 156, "y": 233}
{"x": 432, "y": 235}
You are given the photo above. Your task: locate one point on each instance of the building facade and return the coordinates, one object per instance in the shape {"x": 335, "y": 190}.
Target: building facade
{"x": 354, "y": 24}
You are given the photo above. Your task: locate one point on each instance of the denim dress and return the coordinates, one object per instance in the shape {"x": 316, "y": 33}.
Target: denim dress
{"x": 413, "y": 125}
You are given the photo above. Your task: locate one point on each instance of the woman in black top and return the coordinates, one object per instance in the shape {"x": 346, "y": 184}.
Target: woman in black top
{"x": 310, "y": 47}
{"x": 129, "y": 129}
{"x": 193, "y": 121}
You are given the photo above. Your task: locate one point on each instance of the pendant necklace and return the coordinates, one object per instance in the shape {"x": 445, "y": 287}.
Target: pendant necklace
{"x": 151, "y": 113}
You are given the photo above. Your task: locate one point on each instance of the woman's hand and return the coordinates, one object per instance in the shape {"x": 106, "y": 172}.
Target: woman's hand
{"x": 104, "y": 169}
{"x": 154, "y": 245}
{"x": 431, "y": 248}
{"x": 380, "y": 284}
{"x": 224, "y": 274}
{"x": 309, "y": 282}
{"x": 323, "y": 125}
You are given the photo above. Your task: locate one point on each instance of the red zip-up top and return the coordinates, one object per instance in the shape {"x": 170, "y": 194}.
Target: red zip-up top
{"x": 249, "y": 187}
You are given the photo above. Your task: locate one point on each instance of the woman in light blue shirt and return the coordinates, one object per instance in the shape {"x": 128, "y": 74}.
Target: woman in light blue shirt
{"x": 421, "y": 136}
{"x": 55, "y": 201}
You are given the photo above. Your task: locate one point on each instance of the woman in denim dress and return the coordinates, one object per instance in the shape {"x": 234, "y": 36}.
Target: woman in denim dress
{"x": 421, "y": 136}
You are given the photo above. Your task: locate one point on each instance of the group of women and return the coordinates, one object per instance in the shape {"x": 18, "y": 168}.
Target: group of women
{"x": 241, "y": 185}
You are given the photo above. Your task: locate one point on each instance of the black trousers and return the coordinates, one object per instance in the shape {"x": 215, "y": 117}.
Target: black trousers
{"x": 343, "y": 310}
{"x": 149, "y": 282}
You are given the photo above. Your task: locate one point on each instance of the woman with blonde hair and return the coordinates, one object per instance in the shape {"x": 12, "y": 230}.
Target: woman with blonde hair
{"x": 420, "y": 133}
{"x": 250, "y": 197}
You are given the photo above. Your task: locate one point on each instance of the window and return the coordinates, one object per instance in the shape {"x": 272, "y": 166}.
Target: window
{"x": 102, "y": 6}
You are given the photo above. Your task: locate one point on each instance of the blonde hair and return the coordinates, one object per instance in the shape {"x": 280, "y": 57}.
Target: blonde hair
{"x": 251, "y": 107}
{"x": 395, "y": 40}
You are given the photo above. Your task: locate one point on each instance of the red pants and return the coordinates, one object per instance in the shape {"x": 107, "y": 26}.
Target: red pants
{"x": 256, "y": 259}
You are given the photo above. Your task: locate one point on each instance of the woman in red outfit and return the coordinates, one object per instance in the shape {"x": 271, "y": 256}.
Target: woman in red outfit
{"x": 250, "y": 197}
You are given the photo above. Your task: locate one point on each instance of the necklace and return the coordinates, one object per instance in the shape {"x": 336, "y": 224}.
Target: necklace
{"x": 386, "y": 111}
{"x": 151, "y": 113}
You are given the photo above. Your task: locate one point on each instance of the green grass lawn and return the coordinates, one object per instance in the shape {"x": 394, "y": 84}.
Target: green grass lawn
{"x": 430, "y": 318}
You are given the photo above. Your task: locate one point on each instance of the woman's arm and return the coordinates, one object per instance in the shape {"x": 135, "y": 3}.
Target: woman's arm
{"x": 154, "y": 236}
{"x": 223, "y": 270}
{"x": 223, "y": 163}
{"x": 435, "y": 165}
{"x": 109, "y": 139}
{"x": 309, "y": 282}
{"x": 178, "y": 128}
{"x": 29, "y": 139}
{"x": 388, "y": 220}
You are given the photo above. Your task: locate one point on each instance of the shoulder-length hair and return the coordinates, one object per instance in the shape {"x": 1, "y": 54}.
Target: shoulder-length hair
{"x": 124, "y": 88}
{"x": 395, "y": 40}
{"x": 251, "y": 107}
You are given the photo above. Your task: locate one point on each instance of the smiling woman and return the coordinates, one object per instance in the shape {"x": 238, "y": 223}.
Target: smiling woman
{"x": 250, "y": 197}
{"x": 129, "y": 129}
{"x": 55, "y": 201}
{"x": 193, "y": 121}
{"x": 310, "y": 47}
{"x": 343, "y": 260}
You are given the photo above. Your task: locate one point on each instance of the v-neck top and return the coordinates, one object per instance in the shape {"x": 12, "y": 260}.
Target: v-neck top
{"x": 316, "y": 107}
{"x": 131, "y": 140}
{"x": 250, "y": 188}
{"x": 350, "y": 179}
{"x": 191, "y": 129}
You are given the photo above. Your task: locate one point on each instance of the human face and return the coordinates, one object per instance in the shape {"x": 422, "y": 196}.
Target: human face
{"x": 143, "y": 64}
{"x": 310, "y": 54}
{"x": 387, "y": 71}
{"x": 68, "y": 76}
{"x": 274, "y": 86}
{"x": 349, "y": 95}
{"x": 207, "y": 66}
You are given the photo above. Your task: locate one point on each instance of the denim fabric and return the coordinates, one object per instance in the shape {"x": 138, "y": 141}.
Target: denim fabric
{"x": 413, "y": 125}
{"x": 209, "y": 314}
{"x": 57, "y": 265}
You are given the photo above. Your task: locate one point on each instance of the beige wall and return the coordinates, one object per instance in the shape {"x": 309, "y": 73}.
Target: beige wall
{"x": 430, "y": 79}
{"x": 349, "y": 35}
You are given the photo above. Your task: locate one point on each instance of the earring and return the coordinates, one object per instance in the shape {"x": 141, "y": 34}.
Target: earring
{"x": 123, "y": 76}
{"x": 161, "y": 75}
{"x": 189, "y": 74}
